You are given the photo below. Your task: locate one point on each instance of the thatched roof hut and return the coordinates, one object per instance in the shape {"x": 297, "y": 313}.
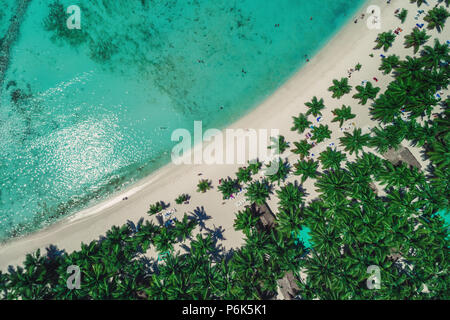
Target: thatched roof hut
{"x": 265, "y": 215}
{"x": 288, "y": 286}
{"x": 402, "y": 155}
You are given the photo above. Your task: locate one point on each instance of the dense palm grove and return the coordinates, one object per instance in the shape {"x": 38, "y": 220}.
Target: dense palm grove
{"x": 369, "y": 211}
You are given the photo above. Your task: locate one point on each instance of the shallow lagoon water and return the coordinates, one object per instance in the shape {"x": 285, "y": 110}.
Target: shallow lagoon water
{"x": 85, "y": 114}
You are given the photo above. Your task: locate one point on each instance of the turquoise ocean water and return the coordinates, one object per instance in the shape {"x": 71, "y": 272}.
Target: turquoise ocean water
{"x": 84, "y": 113}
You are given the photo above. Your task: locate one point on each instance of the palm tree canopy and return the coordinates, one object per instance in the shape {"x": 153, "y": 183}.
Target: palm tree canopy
{"x": 340, "y": 88}
{"x": 343, "y": 114}
{"x": 321, "y": 133}
{"x": 416, "y": 38}
{"x": 301, "y": 123}
{"x": 366, "y": 92}
{"x": 385, "y": 40}
{"x": 315, "y": 106}
{"x": 354, "y": 142}
{"x": 436, "y": 18}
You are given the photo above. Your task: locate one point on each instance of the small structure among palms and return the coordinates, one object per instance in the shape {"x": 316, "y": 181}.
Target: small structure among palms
{"x": 288, "y": 286}
{"x": 401, "y": 155}
{"x": 265, "y": 215}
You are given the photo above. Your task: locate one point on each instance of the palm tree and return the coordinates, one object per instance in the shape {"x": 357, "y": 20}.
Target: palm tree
{"x": 416, "y": 38}
{"x": 335, "y": 185}
{"x": 343, "y": 114}
{"x": 182, "y": 198}
{"x": 246, "y": 264}
{"x": 204, "y": 185}
{"x": 279, "y": 144}
{"x": 402, "y": 15}
{"x": 183, "y": 229}
{"x": 289, "y": 220}
{"x": 302, "y": 148}
{"x": 361, "y": 179}
{"x": 410, "y": 69}
{"x": 245, "y": 221}
{"x": 354, "y": 142}
{"x": 331, "y": 159}
{"x": 315, "y": 106}
{"x": 433, "y": 56}
{"x": 358, "y": 66}
{"x": 340, "y": 88}
{"x": 321, "y": 133}
{"x": 228, "y": 187}
{"x": 385, "y": 40}
{"x": 258, "y": 192}
{"x": 389, "y": 63}
{"x": 370, "y": 160}
{"x": 365, "y": 93}
{"x": 254, "y": 166}
{"x": 156, "y": 208}
{"x": 244, "y": 175}
{"x": 439, "y": 155}
{"x": 203, "y": 244}
{"x": 395, "y": 176}
{"x": 301, "y": 123}
{"x": 164, "y": 239}
{"x": 420, "y": 105}
{"x": 281, "y": 173}
{"x": 290, "y": 196}
{"x": 307, "y": 169}
{"x": 436, "y": 18}
{"x": 384, "y": 139}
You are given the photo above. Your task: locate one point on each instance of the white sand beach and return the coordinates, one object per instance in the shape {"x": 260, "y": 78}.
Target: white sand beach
{"x": 350, "y": 46}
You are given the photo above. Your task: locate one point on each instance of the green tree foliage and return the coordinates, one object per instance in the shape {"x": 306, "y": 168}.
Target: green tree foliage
{"x": 331, "y": 159}
{"x": 254, "y": 166}
{"x": 244, "y": 175}
{"x": 301, "y": 123}
{"x": 431, "y": 57}
{"x": 314, "y": 107}
{"x": 402, "y": 15}
{"x": 343, "y": 114}
{"x": 302, "y": 148}
{"x": 281, "y": 172}
{"x": 182, "y": 198}
{"x": 385, "y": 40}
{"x": 258, "y": 191}
{"x": 354, "y": 142}
{"x": 389, "y": 63}
{"x": 156, "y": 208}
{"x": 306, "y": 169}
{"x": 245, "y": 221}
{"x": 279, "y": 144}
{"x": 416, "y": 39}
{"x": 204, "y": 185}
{"x": 229, "y": 187}
{"x": 388, "y": 138}
{"x": 340, "y": 88}
{"x": 366, "y": 92}
{"x": 290, "y": 196}
{"x": 436, "y": 18}
{"x": 321, "y": 133}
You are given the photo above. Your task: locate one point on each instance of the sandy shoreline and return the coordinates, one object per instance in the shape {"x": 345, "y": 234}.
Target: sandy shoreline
{"x": 351, "y": 45}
